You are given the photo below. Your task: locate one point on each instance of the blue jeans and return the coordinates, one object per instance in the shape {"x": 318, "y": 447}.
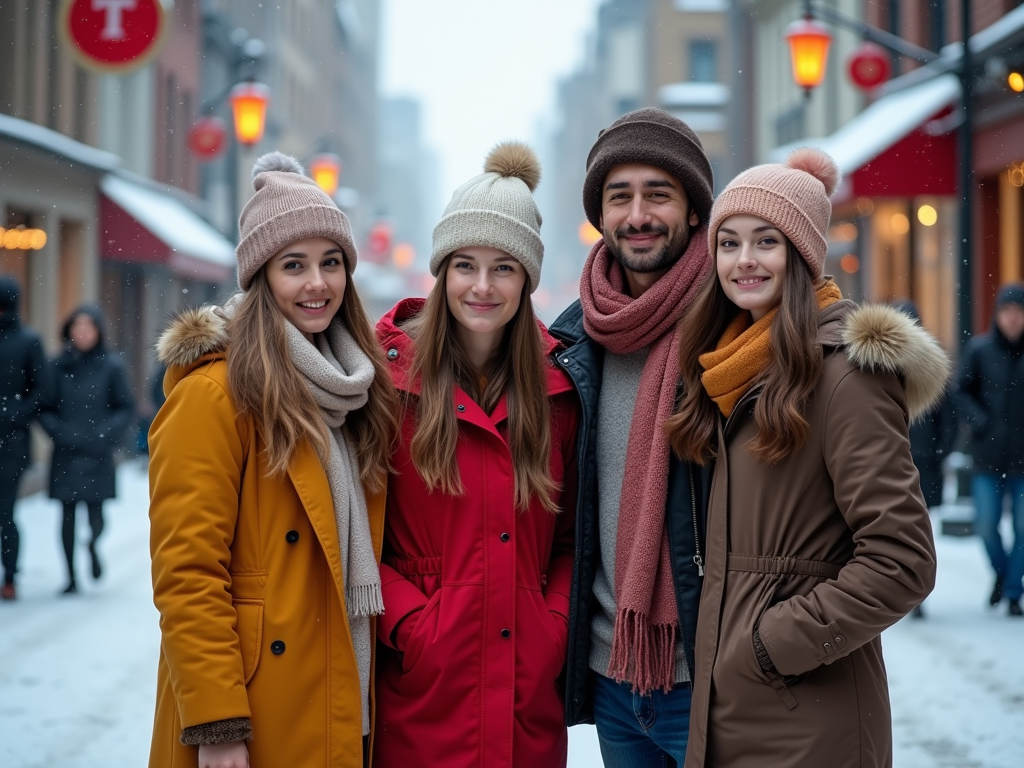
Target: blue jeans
{"x": 641, "y": 731}
{"x": 988, "y": 490}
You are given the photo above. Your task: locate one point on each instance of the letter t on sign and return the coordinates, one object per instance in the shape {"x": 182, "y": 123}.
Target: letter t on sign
{"x": 112, "y": 29}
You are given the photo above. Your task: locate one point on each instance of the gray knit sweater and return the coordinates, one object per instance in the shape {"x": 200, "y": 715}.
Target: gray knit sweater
{"x": 620, "y": 383}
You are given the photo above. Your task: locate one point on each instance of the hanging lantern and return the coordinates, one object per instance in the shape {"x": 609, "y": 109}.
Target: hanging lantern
{"x": 325, "y": 169}
{"x": 206, "y": 138}
{"x": 249, "y": 105}
{"x": 869, "y": 66}
{"x": 808, "y": 48}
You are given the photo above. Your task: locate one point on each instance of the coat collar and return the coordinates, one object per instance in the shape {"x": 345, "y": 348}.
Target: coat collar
{"x": 399, "y": 350}
{"x": 194, "y": 337}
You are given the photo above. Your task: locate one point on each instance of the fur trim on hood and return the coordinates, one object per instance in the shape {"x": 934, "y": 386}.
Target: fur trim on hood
{"x": 878, "y": 337}
{"x": 192, "y": 333}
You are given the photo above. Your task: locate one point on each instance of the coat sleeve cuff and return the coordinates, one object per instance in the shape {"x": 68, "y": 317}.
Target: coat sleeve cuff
{"x": 218, "y": 732}
{"x": 401, "y": 597}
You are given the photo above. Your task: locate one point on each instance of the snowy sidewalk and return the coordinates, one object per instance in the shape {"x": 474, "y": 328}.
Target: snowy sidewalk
{"x": 78, "y": 674}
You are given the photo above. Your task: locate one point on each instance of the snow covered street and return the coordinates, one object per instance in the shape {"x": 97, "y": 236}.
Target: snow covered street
{"x": 78, "y": 673}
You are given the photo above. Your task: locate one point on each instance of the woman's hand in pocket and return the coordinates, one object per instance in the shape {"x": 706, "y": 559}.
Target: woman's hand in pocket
{"x": 405, "y": 629}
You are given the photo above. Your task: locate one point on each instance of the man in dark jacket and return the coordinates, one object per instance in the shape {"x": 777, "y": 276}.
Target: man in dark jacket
{"x": 22, "y": 367}
{"x": 639, "y": 519}
{"x": 991, "y": 398}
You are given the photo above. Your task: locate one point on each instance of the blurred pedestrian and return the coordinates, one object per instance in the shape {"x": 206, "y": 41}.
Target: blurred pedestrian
{"x": 88, "y": 409}
{"x": 818, "y": 536}
{"x": 267, "y": 473}
{"x": 479, "y": 528}
{"x": 22, "y": 388}
{"x": 991, "y": 399}
{"x": 640, "y": 515}
{"x": 933, "y": 434}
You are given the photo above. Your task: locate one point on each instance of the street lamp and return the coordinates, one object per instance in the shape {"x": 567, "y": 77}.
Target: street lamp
{"x": 801, "y": 39}
{"x": 249, "y": 106}
{"x": 325, "y": 168}
{"x": 809, "y": 42}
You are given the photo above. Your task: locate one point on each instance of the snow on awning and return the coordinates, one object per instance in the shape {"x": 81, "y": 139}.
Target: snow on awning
{"x": 896, "y": 121}
{"x": 143, "y": 225}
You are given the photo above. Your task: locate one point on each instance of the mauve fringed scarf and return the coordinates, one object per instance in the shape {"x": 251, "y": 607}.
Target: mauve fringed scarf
{"x": 647, "y": 619}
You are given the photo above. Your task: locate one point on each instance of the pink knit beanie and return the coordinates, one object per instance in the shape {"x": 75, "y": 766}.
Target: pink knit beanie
{"x": 793, "y": 196}
{"x": 288, "y": 206}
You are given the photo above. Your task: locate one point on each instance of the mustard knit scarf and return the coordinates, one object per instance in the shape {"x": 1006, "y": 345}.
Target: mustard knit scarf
{"x": 744, "y": 351}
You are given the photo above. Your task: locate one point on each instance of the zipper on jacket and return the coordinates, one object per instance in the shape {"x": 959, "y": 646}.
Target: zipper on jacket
{"x": 697, "y": 559}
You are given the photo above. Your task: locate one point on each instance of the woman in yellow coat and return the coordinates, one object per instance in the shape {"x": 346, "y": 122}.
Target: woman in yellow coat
{"x": 266, "y": 506}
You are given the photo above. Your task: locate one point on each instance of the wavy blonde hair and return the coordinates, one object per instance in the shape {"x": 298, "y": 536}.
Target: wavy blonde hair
{"x": 267, "y": 387}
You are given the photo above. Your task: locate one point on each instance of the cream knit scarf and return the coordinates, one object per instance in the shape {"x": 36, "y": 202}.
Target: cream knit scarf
{"x": 339, "y": 375}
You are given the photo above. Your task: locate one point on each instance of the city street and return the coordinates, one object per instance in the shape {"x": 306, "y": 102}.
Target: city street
{"x": 77, "y": 674}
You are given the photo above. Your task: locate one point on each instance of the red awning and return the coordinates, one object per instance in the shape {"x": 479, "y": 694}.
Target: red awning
{"x": 140, "y": 225}
{"x": 902, "y": 145}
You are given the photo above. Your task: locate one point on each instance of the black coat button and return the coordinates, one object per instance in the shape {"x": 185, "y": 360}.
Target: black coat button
{"x": 505, "y": 537}
{"x": 506, "y": 633}
{"x": 277, "y": 647}
{"x": 461, "y": 408}
{"x": 291, "y": 537}
{"x": 392, "y": 354}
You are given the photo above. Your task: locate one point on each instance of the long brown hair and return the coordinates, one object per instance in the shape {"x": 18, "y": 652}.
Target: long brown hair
{"x": 266, "y": 385}
{"x": 786, "y": 384}
{"x": 440, "y": 363}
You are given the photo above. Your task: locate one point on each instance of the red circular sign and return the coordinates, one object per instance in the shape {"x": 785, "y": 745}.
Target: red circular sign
{"x": 113, "y": 35}
{"x": 207, "y": 137}
{"x": 869, "y": 66}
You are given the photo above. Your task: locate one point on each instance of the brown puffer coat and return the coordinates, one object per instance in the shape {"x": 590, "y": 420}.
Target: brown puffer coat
{"x": 822, "y": 552}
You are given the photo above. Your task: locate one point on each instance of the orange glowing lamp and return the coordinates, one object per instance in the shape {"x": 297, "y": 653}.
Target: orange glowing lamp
{"x": 808, "y": 49}
{"x": 588, "y": 233}
{"x": 249, "y": 105}
{"x": 325, "y": 169}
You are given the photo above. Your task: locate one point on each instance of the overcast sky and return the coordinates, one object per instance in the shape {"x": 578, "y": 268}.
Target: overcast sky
{"x": 484, "y": 70}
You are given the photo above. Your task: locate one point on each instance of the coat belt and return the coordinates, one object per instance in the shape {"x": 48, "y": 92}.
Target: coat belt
{"x": 774, "y": 565}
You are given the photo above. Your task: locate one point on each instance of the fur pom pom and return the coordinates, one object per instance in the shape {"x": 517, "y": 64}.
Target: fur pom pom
{"x": 276, "y": 161}
{"x": 513, "y": 158}
{"x": 815, "y": 162}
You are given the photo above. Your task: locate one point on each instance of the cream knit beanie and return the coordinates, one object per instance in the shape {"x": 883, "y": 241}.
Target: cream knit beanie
{"x": 496, "y": 209}
{"x": 288, "y": 206}
{"x": 793, "y": 197}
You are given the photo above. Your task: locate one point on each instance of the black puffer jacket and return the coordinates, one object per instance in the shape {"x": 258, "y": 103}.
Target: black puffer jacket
{"x": 88, "y": 408}
{"x": 22, "y": 384}
{"x": 583, "y": 360}
{"x": 990, "y": 394}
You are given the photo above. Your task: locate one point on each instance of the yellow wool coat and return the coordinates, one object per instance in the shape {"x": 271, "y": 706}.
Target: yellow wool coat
{"x": 246, "y": 575}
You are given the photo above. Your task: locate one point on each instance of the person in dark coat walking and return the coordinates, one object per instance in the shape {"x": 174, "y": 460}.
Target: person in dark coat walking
{"x": 89, "y": 407}
{"x": 991, "y": 398}
{"x": 932, "y": 436}
{"x": 22, "y": 371}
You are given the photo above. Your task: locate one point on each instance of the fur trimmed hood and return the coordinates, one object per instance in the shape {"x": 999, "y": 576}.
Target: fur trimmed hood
{"x": 191, "y": 334}
{"x": 878, "y": 337}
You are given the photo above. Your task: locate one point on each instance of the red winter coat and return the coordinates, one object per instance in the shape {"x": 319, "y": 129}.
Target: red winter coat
{"x": 477, "y": 684}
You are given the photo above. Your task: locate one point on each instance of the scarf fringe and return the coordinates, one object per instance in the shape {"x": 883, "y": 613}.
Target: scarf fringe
{"x": 364, "y": 600}
{"x": 652, "y": 665}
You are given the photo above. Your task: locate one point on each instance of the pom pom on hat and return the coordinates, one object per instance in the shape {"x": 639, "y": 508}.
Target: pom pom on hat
{"x": 514, "y": 159}
{"x": 818, "y": 164}
{"x": 276, "y": 161}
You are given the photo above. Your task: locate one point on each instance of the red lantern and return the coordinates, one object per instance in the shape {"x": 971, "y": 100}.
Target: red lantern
{"x": 869, "y": 66}
{"x": 207, "y": 137}
{"x": 379, "y": 242}
{"x": 808, "y": 48}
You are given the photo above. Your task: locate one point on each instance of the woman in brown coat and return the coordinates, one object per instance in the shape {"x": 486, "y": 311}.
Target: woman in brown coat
{"x": 267, "y": 504}
{"x": 818, "y": 537}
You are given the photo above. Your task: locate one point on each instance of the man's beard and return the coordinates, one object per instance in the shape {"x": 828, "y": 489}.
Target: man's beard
{"x": 669, "y": 254}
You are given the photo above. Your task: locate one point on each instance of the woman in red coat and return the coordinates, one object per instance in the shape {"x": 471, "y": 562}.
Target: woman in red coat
{"x": 478, "y": 537}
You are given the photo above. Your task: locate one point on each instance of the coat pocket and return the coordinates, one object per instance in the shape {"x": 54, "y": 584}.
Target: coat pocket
{"x": 421, "y": 633}
{"x": 249, "y": 628}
